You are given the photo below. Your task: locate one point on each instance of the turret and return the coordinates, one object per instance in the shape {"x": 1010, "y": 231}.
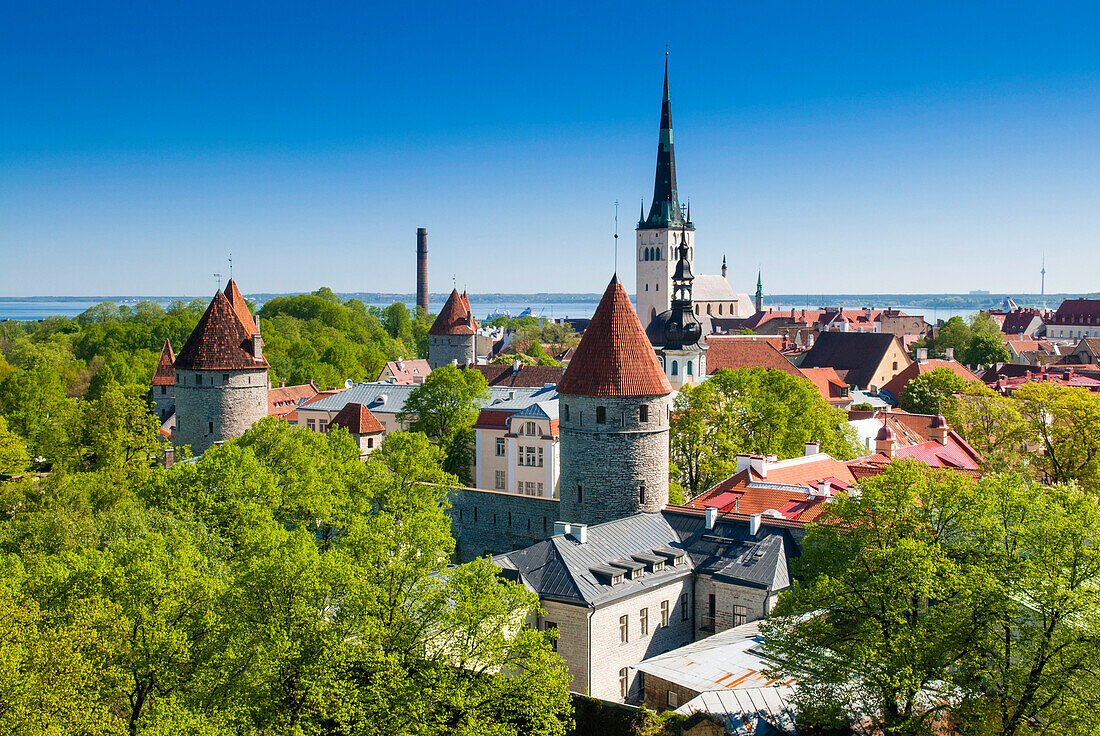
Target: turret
{"x": 453, "y": 336}
{"x": 614, "y": 419}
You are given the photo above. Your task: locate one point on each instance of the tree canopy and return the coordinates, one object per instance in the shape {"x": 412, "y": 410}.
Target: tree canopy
{"x": 444, "y": 408}
{"x": 925, "y": 393}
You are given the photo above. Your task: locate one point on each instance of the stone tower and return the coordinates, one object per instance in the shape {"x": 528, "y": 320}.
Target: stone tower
{"x": 683, "y": 358}
{"x": 661, "y": 233}
{"x": 221, "y": 375}
{"x": 613, "y": 418}
{"x": 453, "y": 336}
{"x": 164, "y": 383}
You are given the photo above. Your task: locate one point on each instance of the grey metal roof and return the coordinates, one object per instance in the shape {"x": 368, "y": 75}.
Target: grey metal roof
{"x": 561, "y": 567}
{"x": 751, "y": 712}
{"x": 546, "y": 409}
{"x": 389, "y": 398}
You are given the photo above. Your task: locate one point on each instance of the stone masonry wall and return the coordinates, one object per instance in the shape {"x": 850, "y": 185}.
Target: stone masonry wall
{"x": 442, "y": 349}
{"x": 216, "y": 410}
{"x": 164, "y": 401}
{"x": 756, "y": 601}
{"x": 493, "y": 522}
{"x": 613, "y": 460}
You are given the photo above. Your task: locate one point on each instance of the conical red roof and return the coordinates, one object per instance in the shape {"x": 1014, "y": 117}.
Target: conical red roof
{"x": 165, "y": 374}
{"x": 240, "y": 307}
{"x": 219, "y": 341}
{"x": 455, "y": 317}
{"x": 614, "y": 357}
{"x": 357, "y": 419}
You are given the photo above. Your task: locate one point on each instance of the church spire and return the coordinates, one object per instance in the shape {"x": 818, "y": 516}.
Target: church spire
{"x": 665, "y": 210}
{"x": 759, "y": 290}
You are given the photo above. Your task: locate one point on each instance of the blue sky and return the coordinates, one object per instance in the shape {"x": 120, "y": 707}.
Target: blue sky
{"x": 840, "y": 147}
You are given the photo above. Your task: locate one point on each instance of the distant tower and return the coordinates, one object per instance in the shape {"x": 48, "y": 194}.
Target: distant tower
{"x": 422, "y": 269}
{"x": 221, "y": 375}
{"x": 723, "y": 265}
{"x": 453, "y": 336}
{"x": 684, "y": 359}
{"x": 164, "y": 383}
{"x": 1043, "y": 282}
{"x": 613, "y": 417}
{"x": 659, "y": 235}
{"x": 759, "y": 291}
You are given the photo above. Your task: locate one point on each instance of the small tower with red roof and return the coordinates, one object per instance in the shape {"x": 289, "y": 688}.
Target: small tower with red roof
{"x": 613, "y": 410}
{"x": 164, "y": 383}
{"x": 220, "y": 375}
{"x": 453, "y": 336}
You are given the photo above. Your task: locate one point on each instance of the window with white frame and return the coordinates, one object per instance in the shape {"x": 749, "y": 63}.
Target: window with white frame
{"x": 740, "y": 615}
{"x": 500, "y": 446}
{"x": 530, "y": 429}
{"x": 500, "y": 480}
{"x": 540, "y": 457}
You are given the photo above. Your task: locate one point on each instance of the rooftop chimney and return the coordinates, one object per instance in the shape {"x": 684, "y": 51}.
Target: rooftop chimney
{"x": 422, "y": 268}
{"x": 922, "y": 355}
{"x": 711, "y": 516}
{"x": 812, "y": 448}
{"x": 759, "y": 465}
{"x": 754, "y": 524}
{"x": 950, "y": 353}
{"x": 825, "y": 488}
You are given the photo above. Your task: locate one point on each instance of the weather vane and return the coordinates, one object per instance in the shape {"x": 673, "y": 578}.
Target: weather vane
{"x": 616, "y": 236}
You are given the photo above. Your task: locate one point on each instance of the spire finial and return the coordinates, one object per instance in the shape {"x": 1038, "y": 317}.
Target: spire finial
{"x": 218, "y": 281}
{"x": 616, "y": 237}
{"x": 231, "y": 265}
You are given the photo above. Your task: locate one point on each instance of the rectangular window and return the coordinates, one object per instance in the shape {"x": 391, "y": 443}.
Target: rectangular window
{"x": 540, "y": 490}
{"x": 580, "y": 494}
{"x": 540, "y": 457}
{"x": 624, "y": 625}
{"x": 519, "y": 486}
{"x": 500, "y": 446}
{"x": 322, "y": 426}
{"x": 684, "y": 607}
{"x": 530, "y": 488}
{"x": 740, "y": 615}
{"x": 370, "y": 442}
{"x": 643, "y": 621}
{"x": 164, "y": 389}
{"x": 601, "y": 414}
{"x": 643, "y": 413}
{"x": 565, "y": 412}
{"x": 711, "y": 605}
{"x": 623, "y": 682}
{"x": 673, "y": 701}
{"x": 530, "y": 428}
{"x": 311, "y": 425}
{"x": 500, "y": 480}
{"x": 551, "y": 626}
{"x": 664, "y": 613}
{"x": 198, "y": 379}
{"x": 531, "y": 456}
{"x": 225, "y": 378}
{"x": 211, "y": 425}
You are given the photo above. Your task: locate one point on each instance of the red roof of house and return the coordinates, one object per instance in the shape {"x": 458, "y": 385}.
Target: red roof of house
{"x": 406, "y": 372}
{"x": 614, "y": 357}
{"x": 455, "y": 317}
{"x": 240, "y": 307}
{"x": 284, "y": 399}
{"x": 1065, "y": 376}
{"x": 734, "y": 353}
{"x": 528, "y": 376}
{"x": 165, "y": 374}
{"x": 897, "y": 384}
{"x": 1077, "y": 311}
{"x": 219, "y": 342}
{"x": 357, "y": 419}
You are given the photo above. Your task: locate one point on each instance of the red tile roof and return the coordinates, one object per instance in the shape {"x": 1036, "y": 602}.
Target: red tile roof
{"x": 455, "y": 317}
{"x": 357, "y": 419}
{"x": 240, "y": 307}
{"x": 405, "y": 372}
{"x": 529, "y": 376}
{"x": 165, "y": 374}
{"x": 219, "y": 342}
{"x": 614, "y": 357}
{"x": 734, "y": 353}
{"x": 829, "y": 384}
{"x": 284, "y": 399}
{"x": 1077, "y": 311}
{"x": 897, "y": 384}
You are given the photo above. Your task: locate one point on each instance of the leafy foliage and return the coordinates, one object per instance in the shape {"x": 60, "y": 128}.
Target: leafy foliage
{"x": 445, "y": 408}
{"x": 925, "y": 393}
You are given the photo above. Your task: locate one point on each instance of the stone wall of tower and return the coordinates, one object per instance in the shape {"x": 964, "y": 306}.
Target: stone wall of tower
{"x": 654, "y": 277}
{"x": 612, "y": 461}
{"x": 492, "y": 522}
{"x": 442, "y": 349}
{"x": 214, "y": 406}
{"x": 164, "y": 401}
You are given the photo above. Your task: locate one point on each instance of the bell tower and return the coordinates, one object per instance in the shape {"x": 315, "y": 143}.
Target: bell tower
{"x": 664, "y": 230}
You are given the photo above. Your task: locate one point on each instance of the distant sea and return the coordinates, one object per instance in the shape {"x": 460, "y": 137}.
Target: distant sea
{"x": 35, "y": 309}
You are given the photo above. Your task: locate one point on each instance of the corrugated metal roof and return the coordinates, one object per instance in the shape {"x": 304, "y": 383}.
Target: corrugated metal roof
{"x": 389, "y": 398}
{"x": 750, "y": 711}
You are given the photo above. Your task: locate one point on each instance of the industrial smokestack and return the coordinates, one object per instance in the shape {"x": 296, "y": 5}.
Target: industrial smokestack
{"x": 422, "y": 268}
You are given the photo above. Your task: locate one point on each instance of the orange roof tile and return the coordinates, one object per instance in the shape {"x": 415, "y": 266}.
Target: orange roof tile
{"x": 282, "y": 400}
{"x": 896, "y": 385}
{"x": 455, "y": 317}
{"x": 219, "y": 342}
{"x": 240, "y": 307}
{"x": 614, "y": 357}
{"x": 734, "y": 353}
{"x": 165, "y": 374}
{"x": 357, "y": 419}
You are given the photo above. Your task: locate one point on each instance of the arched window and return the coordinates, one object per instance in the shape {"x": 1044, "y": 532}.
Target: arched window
{"x": 697, "y": 309}
{"x": 719, "y": 309}
{"x": 689, "y": 368}
{"x": 675, "y": 368}
{"x": 708, "y": 309}
{"x": 658, "y": 255}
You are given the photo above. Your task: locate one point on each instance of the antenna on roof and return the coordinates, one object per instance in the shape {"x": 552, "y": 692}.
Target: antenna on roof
{"x": 218, "y": 281}
{"x": 616, "y": 237}
{"x": 230, "y": 264}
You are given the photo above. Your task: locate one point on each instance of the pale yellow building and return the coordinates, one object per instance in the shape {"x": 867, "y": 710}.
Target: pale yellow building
{"x": 517, "y": 451}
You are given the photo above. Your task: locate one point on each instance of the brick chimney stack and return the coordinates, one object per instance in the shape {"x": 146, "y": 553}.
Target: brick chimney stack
{"x": 422, "y": 268}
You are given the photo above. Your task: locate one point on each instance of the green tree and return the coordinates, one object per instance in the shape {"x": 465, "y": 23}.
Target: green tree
{"x": 750, "y": 410}
{"x": 986, "y": 349}
{"x": 954, "y": 334}
{"x": 925, "y": 393}
{"x": 1062, "y": 424}
{"x": 13, "y": 451}
{"x": 991, "y": 423}
{"x": 444, "y": 408}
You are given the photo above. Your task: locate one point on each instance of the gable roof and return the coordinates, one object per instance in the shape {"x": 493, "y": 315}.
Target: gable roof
{"x": 736, "y": 352}
{"x": 831, "y": 386}
{"x": 219, "y": 342}
{"x": 357, "y": 419}
{"x": 406, "y": 370}
{"x": 857, "y": 353}
{"x": 614, "y": 357}
{"x": 240, "y": 307}
{"x": 281, "y": 400}
{"x": 533, "y": 376}
{"x": 165, "y": 374}
{"x": 455, "y": 317}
